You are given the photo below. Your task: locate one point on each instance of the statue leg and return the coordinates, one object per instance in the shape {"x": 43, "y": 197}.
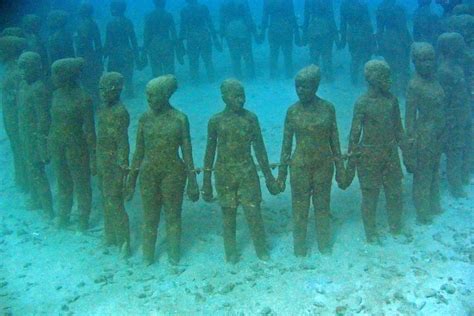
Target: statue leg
{"x": 155, "y": 64}
{"x": 247, "y": 54}
{"x": 235, "y": 56}
{"x": 229, "y": 225}
{"x": 168, "y": 62}
{"x": 322, "y": 206}
{"x": 274, "y": 52}
{"x": 287, "y": 49}
{"x": 467, "y": 160}
{"x": 435, "y": 200}
{"x": 12, "y": 129}
{"x": 152, "y": 202}
{"x": 64, "y": 186}
{"x": 315, "y": 52}
{"x": 41, "y": 183}
{"x": 422, "y": 184}
{"x": 394, "y": 200}
{"x": 254, "y": 218}
{"x": 173, "y": 191}
{"x": 300, "y": 200}
{"x": 105, "y": 179}
{"x": 206, "y": 54}
{"x": 326, "y": 54}
{"x": 193, "y": 55}
{"x": 78, "y": 160}
{"x": 370, "y": 198}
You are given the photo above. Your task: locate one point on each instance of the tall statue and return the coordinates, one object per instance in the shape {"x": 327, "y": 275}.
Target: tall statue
{"x": 11, "y": 48}
{"x": 320, "y": 33}
{"x": 31, "y": 25}
{"x": 376, "y": 135}
{"x": 425, "y": 127}
{"x": 72, "y": 141}
{"x": 311, "y": 122}
{"x": 451, "y": 75}
{"x": 357, "y": 32}
{"x": 34, "y": 102}
{"x": 162, "y": 133}
{"x": 197, "y": 29}
{"x": 279, "y": 21}
{"x": 89, "y": 47}
{"x": 160, "y": 40}
{"x": 238, "y": 28}
{"x": 232, "y": 134}
{"x": 394, "y": 41}
{"x": 112, "y": 160}
{"x": 121, "y": 47}
{"x": 426, "y": 23}
{"x": 60, "y": 42}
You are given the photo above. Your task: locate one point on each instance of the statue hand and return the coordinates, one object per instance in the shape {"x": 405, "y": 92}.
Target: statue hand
{"x": 281, "y": 182}
{"x": 273, "y": 186}
{"x": 93, "y": 167}
{"x": 129, "y": 191}
{"x": 193, "y": 191}
{"x": 341, "y": 178}
{"x": 206, "y": 192}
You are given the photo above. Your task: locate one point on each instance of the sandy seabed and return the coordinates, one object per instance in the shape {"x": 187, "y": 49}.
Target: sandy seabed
{"x": 427, "y": 270}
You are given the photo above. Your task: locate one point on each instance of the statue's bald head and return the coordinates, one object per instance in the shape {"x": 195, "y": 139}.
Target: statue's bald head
{"x": 231, "y": 85}
{"x": 311, "y": 74}
{"x": 11, "y": 47}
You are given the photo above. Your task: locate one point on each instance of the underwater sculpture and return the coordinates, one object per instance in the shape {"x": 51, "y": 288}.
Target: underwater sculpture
{"x": 376, "y": 134}
{"x": 197, "y": 29}
{"x": 451, "y": 50}
{"x": 357, "y": 32}
{"x": 394, "y": 41}
{"x": 34, "y": 101}
{"x": 279, "y": 20}
{"x": 60, "y": 42}
{"x": 238, "y": 28}
{"x": 312, "y": 122}
{"x": 162, "y": 132}
{"x": 160, "y": 40}
{"x": 72, "y": 141}
{"x": 112, "y": 160}
{"x": 320, "y": 33}
{"x": 426, "y": 23}
{"x": 232, "y": 134}
{"x": 11, "y": 48}
{"x": 120, "y": 46}
{"x": 31, "y": 26}
{"x": 425, "y": 127}
{"x": 89, "y": 47}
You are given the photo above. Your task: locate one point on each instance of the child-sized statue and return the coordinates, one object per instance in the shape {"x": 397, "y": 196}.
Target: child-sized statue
{"x": 376, "y": 134}
{"x": 162, "y": 132}
{"x": 312, "y": 123}
{"x": 72, "y": 141}
{"x": 451, "y": 49}
{"x": 233, "y": 133}
{"x": 89, "y": 47}
{"x": 34, "y": 100}
{"x": 112, "y": 160}
{"x": 11, "y": 48}
{"x": 31, "y": 25}
{"x": 160, "y": 40}
{"x": 60, "y": 43}
{"x": 121, "y": 47}
{"x": 425, "y": 125}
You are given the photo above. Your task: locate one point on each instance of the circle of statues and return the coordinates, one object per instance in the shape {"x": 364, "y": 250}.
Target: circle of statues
{"x": 60, "y": 108}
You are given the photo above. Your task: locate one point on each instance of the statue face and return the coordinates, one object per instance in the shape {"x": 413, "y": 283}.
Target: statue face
{"x": 425, "y": 65}
{"x": 382, "y": 81}
{"x": 305, "y": 89}
{"x": 234, "y": 99}
{"x": 30, "y": 72}
{"x": 110, "y": 94}
{"x": 157, "y": 98}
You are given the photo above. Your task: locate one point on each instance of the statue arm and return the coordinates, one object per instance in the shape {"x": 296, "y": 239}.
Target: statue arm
{"x": 410, "y": 112}
{"x": 287, "y": 147}
{"x": 397, "y": 119}
{"x": 89, "y": 127}
{"x": 260, "y": 150}
{"x": 137, "y": 158}
{"x": 123, "y": 144}
{"x": 209, "y": 157}
{"x": 44, "y": 121}
{"x": 336, "y": 146}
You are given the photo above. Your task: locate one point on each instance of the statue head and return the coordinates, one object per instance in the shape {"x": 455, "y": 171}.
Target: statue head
{"x": 451, "y": 45}
{"x": 11, "y": 48}
{"x": 463, "y": 9}
{"x": 31, "y": 66}
{"x": 118, "y": 7}
{"x": 57, "y": 19}
{"x": 86, "y": 10}
{"x": 66, "y": 71}
{"x": 464, "y": 25}
{"x": 160, "y": 90}
{"x": 424, "y": 58}
{"x": 31, "y": 23}
{"x": 13, "y": 31}
{"x": 233, "y": 94}
{"x": 307, "y": 83}
{"x": 378, "y": 75}
{"x": 110, "y": 87}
